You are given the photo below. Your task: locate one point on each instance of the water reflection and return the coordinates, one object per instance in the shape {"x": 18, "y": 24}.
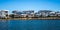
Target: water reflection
{"x": 3, "y": 25}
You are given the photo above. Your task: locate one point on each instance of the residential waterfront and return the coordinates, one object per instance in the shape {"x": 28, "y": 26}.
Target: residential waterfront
{"x": 29, "y": 14}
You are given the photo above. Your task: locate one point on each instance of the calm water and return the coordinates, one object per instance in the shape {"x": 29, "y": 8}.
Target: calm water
{"x": 30, "y": 25}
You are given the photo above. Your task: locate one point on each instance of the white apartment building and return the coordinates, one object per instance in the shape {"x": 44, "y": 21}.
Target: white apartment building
{"x": 52, "y": 14}
{"x": 3, "y": 13}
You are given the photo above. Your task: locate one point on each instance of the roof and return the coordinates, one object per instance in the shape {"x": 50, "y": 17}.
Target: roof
{"x": 44, "y": 11}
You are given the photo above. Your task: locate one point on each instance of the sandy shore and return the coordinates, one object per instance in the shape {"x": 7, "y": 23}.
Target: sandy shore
{"x": 45, "y": 18}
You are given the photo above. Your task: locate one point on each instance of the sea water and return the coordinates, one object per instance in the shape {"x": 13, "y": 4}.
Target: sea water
{"x": 29, "y": 24}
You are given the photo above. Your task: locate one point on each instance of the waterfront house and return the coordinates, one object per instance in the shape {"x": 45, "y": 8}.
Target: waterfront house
{"x": 23, "y": 15}
{"x": 29, "y": 13}
{"x": 4, "y": 13}
{"x": 44, "y": 13}
{"x": 52, "y": 14}
{"x": 30, "y": 16}
{"x": 16, "y": 12}
{"x": 37, "y": 14}
{"x": 58, "y": 13}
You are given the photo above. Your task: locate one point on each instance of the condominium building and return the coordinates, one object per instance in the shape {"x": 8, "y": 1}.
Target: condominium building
{"x": 29, "y": 13}
{"x": 58, "y": 13}
{"x": 44, "y": 13}
{"x": 52, "y": 14}
{"x": 37, "y": 14}
{"x": 4, "y": 13}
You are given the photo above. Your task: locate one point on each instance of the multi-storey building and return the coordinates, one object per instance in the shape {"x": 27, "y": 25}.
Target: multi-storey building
{"x": 58, "y": 13}
{"x": 29, "y": 13}
{"x": 44, "y": 13}
{"x": 4, "y": 13}
{"x": 52, "y": 14}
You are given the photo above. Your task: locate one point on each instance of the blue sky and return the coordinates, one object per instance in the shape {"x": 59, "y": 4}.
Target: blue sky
{"x": 35, "y": 5}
